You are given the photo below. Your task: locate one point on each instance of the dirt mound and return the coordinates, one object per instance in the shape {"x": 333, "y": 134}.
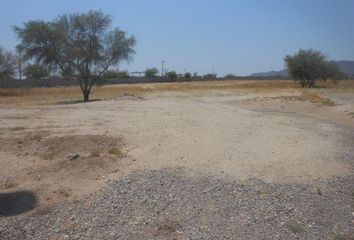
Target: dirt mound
{"x": 59, "y": 165}
{"x": 60, "y": 147}
{"x": 82, "y": 145}
{"x": 80, "y": 153}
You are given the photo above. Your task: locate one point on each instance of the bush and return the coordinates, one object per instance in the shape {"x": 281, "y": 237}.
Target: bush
{"x": 36, "y": 71}
{"x": 111, "y": 74}
{"x": 172, "y": 75}
{"x": 187, "y": 75}
{"x": 209, "y": 76}
{"x": 196, "y": 76}
{"x": 151, "y": 72}
{"x": 230, "y": 76}
{"x": 7, "y": 64}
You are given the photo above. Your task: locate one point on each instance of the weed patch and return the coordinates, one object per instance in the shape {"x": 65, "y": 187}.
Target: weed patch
{"x": 116, "y": 152}
{"x": 10, "y": 184}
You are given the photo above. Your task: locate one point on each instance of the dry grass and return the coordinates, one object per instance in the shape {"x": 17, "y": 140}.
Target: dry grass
{"x": 116, "y": 152}
{"x": 225, "y": 85}
{"x": 18, "y": 129}
{"x": 315, "y": 98}
{"x": 64, "y": 192}
{"x": 38, "y": 96}
{"x": 307, "y": 96}
{"x": 341, "y": 85}
{"x": 9, "y": 184}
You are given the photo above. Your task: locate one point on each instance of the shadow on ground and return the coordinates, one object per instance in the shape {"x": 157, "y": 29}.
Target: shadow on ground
{"x": 15, "y": 203}
{"x": 68, "y": 102}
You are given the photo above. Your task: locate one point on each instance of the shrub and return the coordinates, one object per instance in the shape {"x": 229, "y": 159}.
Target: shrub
{"x": 151, "y": 72}
{"x": 36, "y": 71}
{"x": 187, "y": 75}
{"x": 172, "y": 75}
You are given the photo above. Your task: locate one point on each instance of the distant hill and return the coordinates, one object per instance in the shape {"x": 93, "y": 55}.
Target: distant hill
{"x": 283, "y": 73}
{"x": 346, "y": 67}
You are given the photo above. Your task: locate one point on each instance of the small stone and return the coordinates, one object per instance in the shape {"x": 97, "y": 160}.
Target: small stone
{"x": 73, "y": 156}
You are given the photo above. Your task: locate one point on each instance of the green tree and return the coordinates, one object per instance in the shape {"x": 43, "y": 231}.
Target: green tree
{"x": 209, "y": 76}
{"x": 111, "y": 74}
{"x": 230, "y": 76}
{"x": 171, "y": 75}
{"x": 187, "y": 75}
{"x": 82, "y": 46}
{"x": 7, "y": 64}
{"x": 332, "y": 71}
{"x": 151, "y": 72}
{"x": 309, "y": 66}
{"x": 35, "y": 71}
{"x": 123, "y": 74}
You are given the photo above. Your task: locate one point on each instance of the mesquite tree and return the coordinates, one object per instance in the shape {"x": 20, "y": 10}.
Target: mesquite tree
{"x": 309, "y": 66}
{"x": 82, "y": 46}
{"x": 7, "y": 64}
{"x": 35, "y": 71}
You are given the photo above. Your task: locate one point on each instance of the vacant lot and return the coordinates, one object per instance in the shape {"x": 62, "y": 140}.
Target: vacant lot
{"x": 212, "y": 160}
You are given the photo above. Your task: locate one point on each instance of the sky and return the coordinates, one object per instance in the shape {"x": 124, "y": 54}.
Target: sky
{"x": 228, "y": 36}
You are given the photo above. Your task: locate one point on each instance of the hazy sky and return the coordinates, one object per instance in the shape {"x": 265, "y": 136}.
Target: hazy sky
{"x": 234, "y": 36}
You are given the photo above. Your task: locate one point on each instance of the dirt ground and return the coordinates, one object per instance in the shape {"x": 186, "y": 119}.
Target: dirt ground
{"x": 66, "y": 150}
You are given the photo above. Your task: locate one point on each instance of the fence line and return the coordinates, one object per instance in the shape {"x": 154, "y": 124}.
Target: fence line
{"x": 29, "y": 83}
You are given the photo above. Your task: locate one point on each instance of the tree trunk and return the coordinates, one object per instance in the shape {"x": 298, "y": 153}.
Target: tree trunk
{"x": 85, "y": 86}
{"x": 85, "y": 92}
{"x": 311, "y": 83}
{"x": 86, "y": 95}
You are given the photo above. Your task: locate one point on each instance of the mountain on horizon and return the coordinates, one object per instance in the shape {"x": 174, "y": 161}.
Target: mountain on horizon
{"x": 346, "y": 67}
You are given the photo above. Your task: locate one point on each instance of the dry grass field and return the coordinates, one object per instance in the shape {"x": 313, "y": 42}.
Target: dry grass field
{"x": 66, "y": 151}
{"x": 40, "y": 96}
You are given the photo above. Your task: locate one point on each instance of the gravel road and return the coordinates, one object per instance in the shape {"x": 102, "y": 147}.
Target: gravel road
{"x": 179, "y": 204}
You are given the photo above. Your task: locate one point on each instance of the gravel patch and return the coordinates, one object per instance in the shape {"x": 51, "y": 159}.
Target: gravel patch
{"x": 178, "y": 204}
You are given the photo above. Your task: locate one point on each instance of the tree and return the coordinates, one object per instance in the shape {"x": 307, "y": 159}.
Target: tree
{"x": 36, "y": 71}
{"x": 7, "y": 64}
{"x": 172, "y": 75}
{"x": 230, "y": 76}
{"x": 82, "y": 46}
{"x": 187, "y": 75}
{"x": 309, "y": 66}
{"x": 151, "y": 72}
{"x": 210, "y": 76}
{"x": 332, "y": 71}
{"x": 111, "y": 74}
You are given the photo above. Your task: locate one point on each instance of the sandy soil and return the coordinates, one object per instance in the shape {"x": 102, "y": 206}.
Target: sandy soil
{"x": 66, "y": 150}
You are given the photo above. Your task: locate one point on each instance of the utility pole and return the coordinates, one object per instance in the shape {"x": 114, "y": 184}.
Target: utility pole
{"x": 162, "y": 67}
{"x": 19, "y": 64}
